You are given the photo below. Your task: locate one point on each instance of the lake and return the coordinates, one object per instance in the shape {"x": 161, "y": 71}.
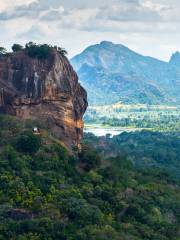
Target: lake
{"x": 100, "y": 131}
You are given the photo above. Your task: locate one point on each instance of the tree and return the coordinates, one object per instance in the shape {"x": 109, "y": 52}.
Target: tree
{"x": 3, "y": 51}
{"x": 40, "y": 52}
{"x": 28, "y": 143}
{"x": 89, "y": 158}
{"x": 17, "y": 47}
{"x": 62, "y": 51}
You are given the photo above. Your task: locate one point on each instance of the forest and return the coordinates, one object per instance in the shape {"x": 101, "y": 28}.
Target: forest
{"x": 143, "y": 148}
{"x": 48, "y": 193}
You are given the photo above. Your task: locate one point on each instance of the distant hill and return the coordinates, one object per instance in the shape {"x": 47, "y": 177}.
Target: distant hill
{"x": 112, "y": 72}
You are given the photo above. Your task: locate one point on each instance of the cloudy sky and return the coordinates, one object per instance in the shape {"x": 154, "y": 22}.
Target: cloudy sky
{"x": 151, "y": 27}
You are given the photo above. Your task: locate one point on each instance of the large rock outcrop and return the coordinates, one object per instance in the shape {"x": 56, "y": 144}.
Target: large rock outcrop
{"x": 44, "y": 90}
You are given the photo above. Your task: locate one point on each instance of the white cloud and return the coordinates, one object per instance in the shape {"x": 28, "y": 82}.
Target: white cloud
{"x": 5, "y": 4}
{"x": 144, "y": 25}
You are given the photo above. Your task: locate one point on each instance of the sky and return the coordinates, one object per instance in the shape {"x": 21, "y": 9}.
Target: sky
{"x": 150, "y": 27}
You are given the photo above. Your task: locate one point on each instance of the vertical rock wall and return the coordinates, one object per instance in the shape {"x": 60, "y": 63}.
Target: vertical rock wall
{"x": 44, "y": 90}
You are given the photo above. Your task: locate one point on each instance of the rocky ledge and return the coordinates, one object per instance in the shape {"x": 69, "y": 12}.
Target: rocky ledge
{"x": 44, "y": 90}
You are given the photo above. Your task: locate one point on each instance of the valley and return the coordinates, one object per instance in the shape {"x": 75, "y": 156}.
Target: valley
{"x": 103, "y": 130}
{"x": 148, "y": 135}
{"x": 130, "y": 117}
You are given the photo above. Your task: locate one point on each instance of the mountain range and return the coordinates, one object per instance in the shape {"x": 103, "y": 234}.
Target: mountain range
{"x": 114, "y": 73}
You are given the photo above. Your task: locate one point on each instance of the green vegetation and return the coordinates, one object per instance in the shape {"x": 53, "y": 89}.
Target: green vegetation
{"x": 42, "y": 51}
{"x": 144, "y": 148}
{"x": 156, "y": 117}
{"x": 2, "y": 51}
{"x": 114, "y": 73}
{"x": 17, "y": 47}
{"x": 62, "y": 51}
{"x": 48, "y": 194}
{"x": 27, "y": 142}
{"x": 39, "y": 51}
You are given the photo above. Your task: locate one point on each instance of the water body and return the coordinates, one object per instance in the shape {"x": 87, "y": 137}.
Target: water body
{"x": 112, "y": 131}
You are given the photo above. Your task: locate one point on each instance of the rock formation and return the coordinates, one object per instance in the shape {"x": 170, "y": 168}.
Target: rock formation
{"x": 47, "y": 90}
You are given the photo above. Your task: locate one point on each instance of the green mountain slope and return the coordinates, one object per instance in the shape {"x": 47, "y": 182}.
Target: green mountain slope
{"x": 46, "y": 193}
{"x": 112, "y": 72}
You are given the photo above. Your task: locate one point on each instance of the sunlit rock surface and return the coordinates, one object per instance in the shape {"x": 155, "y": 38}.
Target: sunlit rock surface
{"x": 45, "y": 90}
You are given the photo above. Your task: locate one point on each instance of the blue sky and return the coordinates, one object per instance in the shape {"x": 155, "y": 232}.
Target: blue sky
{"x": 150, "y": 27}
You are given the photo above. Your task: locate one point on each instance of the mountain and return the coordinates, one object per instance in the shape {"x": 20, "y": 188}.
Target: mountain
{"x": 112, "y": 73}
{"x": 175, "y": 59}
{"x": 39, "y": 83}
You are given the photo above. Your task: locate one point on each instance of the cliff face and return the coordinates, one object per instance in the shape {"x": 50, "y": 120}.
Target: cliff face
{"x": 47, "y": 90}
